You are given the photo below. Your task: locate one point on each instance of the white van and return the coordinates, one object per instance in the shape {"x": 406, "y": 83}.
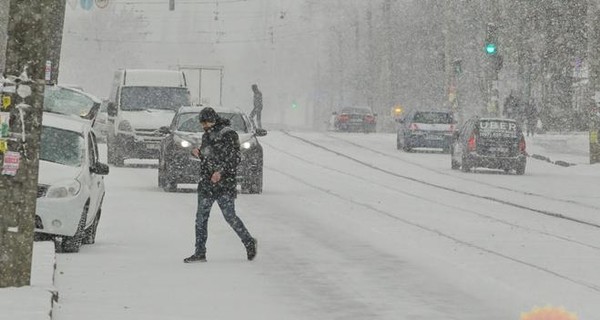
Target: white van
{"x": 140, "y": 102}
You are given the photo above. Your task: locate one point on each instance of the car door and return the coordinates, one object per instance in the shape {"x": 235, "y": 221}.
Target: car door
{"x": 96, "y": 181}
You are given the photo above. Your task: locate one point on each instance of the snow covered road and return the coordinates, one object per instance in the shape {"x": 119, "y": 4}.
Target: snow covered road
{"x": 350, "y": 228}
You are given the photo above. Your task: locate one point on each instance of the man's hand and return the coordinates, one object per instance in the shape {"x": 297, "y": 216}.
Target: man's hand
{"x": 216, "y": 177}
{"x": 196, "y": 152}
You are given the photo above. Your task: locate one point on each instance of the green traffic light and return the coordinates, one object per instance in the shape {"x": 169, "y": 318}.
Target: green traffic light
{"x": 294, "y": 105}
{"x": 490, "y": 48}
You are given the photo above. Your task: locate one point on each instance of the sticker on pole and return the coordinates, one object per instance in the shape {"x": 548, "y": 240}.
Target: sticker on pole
{"x": 11, "y": 163}
{"x": 86, "y": 4}
{"x": 48, "y": 70}
{"x": 101, "y": 4}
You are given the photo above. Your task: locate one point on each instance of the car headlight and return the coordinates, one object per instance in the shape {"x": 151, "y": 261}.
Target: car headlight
{"x": 180, "y": 142}
{"x": 248, "y": 144}
{"x": 64, "y": 189}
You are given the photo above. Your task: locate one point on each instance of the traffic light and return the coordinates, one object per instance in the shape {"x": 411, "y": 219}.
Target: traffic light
{"x": 294, "y": 105}
{"x": 491, "y": 40}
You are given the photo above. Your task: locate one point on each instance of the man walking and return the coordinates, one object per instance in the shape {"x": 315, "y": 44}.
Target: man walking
{"x": 219, "y": 154}
{"x": 258, "y": 105}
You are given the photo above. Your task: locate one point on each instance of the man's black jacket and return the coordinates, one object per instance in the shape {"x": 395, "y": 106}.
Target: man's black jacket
{"x": 219, "y": 151}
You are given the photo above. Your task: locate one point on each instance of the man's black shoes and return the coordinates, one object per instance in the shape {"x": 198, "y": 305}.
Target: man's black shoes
{"x": 195, "y": 258}
{"x": 251, "y": 249}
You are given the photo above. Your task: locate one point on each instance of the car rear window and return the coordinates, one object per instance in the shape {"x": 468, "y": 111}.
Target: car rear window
{"x": 189, "y": 122}
{"x": 497, "y": 128}
{"x": 356, "y": 110}
{"x": 433, "y": 118}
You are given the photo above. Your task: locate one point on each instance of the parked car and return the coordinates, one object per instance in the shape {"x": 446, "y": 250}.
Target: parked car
{"x": 425, "y": 129}
{"x": 176, "y": 165}
{"x": 355, "y": 119}
{"x": 70, "y": 183}
{"x": 493, "y": 143}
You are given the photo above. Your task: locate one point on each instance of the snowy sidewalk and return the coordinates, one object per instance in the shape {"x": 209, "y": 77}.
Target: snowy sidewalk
{"x": 560, "y": 148}
{"x": 33, "y": 302}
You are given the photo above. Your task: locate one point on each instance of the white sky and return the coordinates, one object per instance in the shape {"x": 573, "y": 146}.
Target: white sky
{"x": 342, "y": 239}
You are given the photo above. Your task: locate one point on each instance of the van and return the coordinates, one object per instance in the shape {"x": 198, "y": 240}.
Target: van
{"x": 140, "y": 102}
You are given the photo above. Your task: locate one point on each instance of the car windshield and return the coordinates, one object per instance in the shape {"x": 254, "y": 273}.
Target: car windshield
{"x": 188, "y": 122}
{"x": 356, "y": 110}
{"x": 143, "y": 98}
{"x": 67, "y": 101}
{"x": 433, "y": 118}
{"x": 497, "y": 128}
{"x": 62, "y": 146}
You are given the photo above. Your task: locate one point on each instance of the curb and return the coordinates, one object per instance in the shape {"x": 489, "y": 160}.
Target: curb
{"x": 557, "y": 162}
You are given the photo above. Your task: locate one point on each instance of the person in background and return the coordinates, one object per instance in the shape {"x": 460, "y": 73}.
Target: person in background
{"x": 258, "y": 105}
{"x": 220, "y": 156}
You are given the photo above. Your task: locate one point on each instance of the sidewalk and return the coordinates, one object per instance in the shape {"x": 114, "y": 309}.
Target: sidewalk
{"x": 33, "y": 302}
{"x": 564, "y": 149}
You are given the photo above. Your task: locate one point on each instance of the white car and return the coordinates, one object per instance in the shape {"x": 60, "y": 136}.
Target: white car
{"x": 70, "y": 183}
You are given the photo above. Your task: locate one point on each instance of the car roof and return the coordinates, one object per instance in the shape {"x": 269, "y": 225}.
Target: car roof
{"x": 218, "y": 109}
{"x": 66, "y": 122}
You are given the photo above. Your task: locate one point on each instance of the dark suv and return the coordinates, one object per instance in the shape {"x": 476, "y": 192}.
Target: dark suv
{"x": 176, "y": 165}
{"x": 425, "y": 129}
{"x": 489, "y": 143}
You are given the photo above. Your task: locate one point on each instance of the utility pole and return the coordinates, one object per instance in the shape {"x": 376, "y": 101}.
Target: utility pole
{"x": 34, "y": 41}
{"x": 593, "y": 108}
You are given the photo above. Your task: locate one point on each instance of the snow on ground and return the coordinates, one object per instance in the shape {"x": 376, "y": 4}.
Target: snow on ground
{"x": 223, "y": 285}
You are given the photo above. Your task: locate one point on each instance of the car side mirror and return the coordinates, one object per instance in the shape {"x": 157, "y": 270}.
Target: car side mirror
{"x": 99, "y": 168}
{"x": 164, "y": 130}
{"x": 260, "y": 132}
{"x": 111, "y": 109}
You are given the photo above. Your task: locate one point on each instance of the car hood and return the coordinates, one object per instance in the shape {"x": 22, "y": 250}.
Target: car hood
{"x": 196, "y": 137}
{"x": 51, "y": 173}
{"x": 148, "y": 119}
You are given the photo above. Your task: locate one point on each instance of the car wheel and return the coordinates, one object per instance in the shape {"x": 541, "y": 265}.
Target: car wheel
{"x": 464, "y": 165}
{"x": 253, "y": 182}
{"x": 72, "y": 244}
{"x": 520, "y": 169}
{"x": 454, "y": 164}
{"x": 169, "y": 184}
{"x": 90, "y": 233}
{"x": 115, "y": 156}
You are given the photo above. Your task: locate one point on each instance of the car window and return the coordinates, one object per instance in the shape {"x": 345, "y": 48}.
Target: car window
{"x": 356, "y": 110}
{"x": 66, "y": 101}
{"x": 144, "y": 98}
{"x": 62, "y": 146}
{"x": 188, "y": 122}
{"x": 433, "y": 118}
{"x": 497, "y": 128}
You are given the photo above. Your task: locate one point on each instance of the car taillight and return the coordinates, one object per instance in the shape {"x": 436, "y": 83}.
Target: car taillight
{"x": 413, "y": 126}
{"x": 343, "y": 117}
{"x": 522, "y": 145}
{"x": 451, "y": 129}
{"x": 472, "y": 143}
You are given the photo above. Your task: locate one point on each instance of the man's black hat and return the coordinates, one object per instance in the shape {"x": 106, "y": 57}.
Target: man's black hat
{"x": 208, "y": 114}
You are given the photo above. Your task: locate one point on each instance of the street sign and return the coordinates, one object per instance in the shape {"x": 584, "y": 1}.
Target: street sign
{"x": 86, "y": 4}
{"x": 101, "y": 4}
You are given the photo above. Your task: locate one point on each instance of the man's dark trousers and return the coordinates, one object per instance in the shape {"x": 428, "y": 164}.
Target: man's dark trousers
{"x": 227, "y": 205}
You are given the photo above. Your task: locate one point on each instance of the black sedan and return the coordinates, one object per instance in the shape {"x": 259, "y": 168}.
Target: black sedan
{"x": 493, "y": 143}
{"x": 176, "y": 164}
{"x": 425, "y": 129}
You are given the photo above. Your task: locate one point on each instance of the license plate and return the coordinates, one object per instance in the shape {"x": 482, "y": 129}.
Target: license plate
{"x": 499, "y": 149}
{"x": 435, "y": 138}
{"x": 152, "y": 146}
